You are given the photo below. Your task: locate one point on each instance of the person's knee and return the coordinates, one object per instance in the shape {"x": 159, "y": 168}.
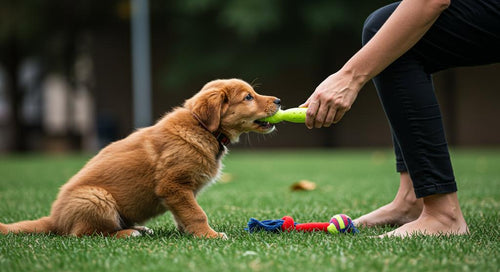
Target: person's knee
{"x": 369, "y": 29}
{"x": 375, "y": 21}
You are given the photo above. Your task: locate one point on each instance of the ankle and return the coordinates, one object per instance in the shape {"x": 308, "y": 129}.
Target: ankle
{"x": 410, "y": 199}
{"x": 405, "y": 197}
{"x": 407, "y": 202}
{"x": 444, "y": 206}
{"x": 410, "y": 206}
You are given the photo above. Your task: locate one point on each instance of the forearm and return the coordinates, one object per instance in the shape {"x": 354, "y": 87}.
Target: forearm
{"x": 404, "y": 28}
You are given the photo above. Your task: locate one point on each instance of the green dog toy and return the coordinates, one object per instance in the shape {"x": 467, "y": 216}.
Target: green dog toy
{"x": 294, "y": 115}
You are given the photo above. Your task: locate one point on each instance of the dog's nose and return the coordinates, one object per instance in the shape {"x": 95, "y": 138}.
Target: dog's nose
{"x": 277, "y": 101}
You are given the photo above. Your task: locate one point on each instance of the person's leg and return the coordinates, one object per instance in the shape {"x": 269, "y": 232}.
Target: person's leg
{"x": 407, "y": 94}
{"x": 407, "y": 208}
{"x": 404, "y": 208}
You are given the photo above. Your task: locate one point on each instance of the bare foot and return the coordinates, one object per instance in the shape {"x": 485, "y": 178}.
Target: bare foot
{"x": 441, "y": 215}
{"x": 392, "y": 214}
{"x": 403, "y": 209}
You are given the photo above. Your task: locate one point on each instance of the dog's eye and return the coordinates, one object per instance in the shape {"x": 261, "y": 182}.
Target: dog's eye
{"x": 249, "y": 97}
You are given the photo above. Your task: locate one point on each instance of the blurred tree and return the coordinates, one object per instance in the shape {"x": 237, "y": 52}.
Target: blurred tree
{"x": 49, "y": 30}
{"x": 206, "y": 37}
{"x": 19, "y": 27}
{"x": 221, "y": 33}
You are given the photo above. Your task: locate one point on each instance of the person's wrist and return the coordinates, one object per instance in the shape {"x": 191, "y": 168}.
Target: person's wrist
{"x": 356, "y": 77}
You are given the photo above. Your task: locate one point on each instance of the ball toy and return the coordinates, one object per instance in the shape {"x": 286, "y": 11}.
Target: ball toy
{"x": 294, "y": 115}
{"x": 341, "y": 223}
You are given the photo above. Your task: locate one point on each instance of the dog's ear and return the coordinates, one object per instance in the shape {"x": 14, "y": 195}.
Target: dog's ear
{"x": 209, "y": 105}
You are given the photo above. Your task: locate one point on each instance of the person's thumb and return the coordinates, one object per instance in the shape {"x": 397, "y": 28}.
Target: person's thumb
{"x": 305, "y": 104}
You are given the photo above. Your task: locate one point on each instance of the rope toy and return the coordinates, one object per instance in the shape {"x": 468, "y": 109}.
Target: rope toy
{"x": 339, "y": 223}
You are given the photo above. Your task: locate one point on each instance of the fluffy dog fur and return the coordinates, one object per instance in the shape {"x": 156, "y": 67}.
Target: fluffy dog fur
{"x": 157, "y": 168}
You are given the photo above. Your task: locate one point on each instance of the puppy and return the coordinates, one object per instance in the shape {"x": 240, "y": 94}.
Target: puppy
{"x": 157, "y": 169}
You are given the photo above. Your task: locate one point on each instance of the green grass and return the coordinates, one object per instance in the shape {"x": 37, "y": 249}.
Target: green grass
{"x": 349, "y": 181}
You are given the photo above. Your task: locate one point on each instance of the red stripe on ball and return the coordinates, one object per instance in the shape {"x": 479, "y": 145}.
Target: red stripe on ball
{"x": 346, "y": 220}
{"x": 336, "y": 223}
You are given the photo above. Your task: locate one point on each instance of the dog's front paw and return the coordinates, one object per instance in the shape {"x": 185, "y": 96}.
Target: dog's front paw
{"x": 211, "y": 235}
{"x": 222, "y": 235}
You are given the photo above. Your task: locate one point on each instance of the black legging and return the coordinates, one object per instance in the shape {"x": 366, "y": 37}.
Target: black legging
{"x": 467, "y": 33}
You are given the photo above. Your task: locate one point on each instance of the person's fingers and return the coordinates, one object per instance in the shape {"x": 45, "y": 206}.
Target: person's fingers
{"x": 339, "y": 116}
{"x": 320, "y": 116}
{"x": 311, "y": 113}
{"x": 332, "y": 113}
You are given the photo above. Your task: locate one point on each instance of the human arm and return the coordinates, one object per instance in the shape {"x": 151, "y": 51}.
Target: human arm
{"x": 402, "y": 30}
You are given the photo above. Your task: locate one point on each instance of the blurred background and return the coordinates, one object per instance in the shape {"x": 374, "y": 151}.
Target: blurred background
{"x": 75, "y": 75}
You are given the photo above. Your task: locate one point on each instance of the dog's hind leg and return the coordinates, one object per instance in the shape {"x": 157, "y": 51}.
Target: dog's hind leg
{"x": 89, "y": 210}
{"x": 81, "y": 229}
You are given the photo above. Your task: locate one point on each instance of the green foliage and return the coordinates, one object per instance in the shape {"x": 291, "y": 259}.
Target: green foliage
{"x": 249, "y": 18}
{"x": 21, "y": 20}
{"x": 251, "y": 39}
{"x": 324, "y": 16}
{"x": 349, "y": 181}
{"x": 206, "y": 38}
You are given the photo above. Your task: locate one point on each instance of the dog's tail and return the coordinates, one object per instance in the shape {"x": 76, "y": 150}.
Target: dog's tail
{"x": 42, "y": 225}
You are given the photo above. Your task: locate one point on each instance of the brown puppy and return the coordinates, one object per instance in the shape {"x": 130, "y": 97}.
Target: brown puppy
{"x": 157, "y": 168}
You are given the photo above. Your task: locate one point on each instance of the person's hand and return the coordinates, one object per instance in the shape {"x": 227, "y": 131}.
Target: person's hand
{"x": 331, "y": 100}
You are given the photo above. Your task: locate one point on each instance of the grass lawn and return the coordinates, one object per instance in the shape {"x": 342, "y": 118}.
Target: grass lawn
{"x": 349, "y": 181}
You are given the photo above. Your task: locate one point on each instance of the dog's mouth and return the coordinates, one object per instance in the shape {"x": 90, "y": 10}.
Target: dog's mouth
{"x": 263, "y": 125}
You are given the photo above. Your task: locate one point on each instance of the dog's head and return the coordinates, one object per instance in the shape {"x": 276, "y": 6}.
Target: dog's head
{"x": 233, "y": 107}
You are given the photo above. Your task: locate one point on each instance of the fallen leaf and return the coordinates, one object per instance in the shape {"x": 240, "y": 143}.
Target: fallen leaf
{"x": 303, "y": 185}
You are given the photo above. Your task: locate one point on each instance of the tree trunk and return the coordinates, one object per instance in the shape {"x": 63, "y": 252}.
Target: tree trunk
{"x": 12, "y": 64}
